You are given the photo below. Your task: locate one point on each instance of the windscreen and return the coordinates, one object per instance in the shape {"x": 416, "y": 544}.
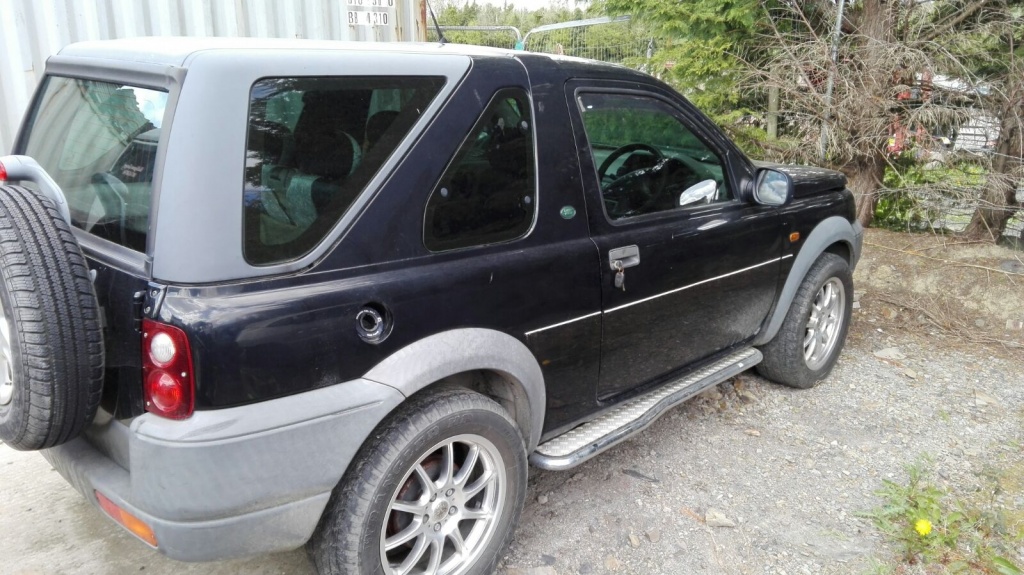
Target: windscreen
{"x": 99, "y": 142}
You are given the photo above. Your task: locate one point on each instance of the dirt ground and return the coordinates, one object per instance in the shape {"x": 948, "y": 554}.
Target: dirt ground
{"x": 934, "y": 367}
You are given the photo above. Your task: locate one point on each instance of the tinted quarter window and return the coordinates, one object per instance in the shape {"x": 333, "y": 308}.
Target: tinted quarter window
{"x": 488, "y": 193}
{"x": 99, "y": 142}
{"x": 313, "y": 145}
{"x": 647, "y": 159}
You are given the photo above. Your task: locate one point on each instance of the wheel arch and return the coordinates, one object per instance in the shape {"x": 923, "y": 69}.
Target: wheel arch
{"x": 483, "y": 360}
{"x": 833, "y": 235}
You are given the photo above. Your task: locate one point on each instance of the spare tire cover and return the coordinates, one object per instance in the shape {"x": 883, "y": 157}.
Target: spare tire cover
{"x": 51, "y": 340}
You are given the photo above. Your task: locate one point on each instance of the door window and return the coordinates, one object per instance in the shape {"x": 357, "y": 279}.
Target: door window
{"x": 647, "y": 160}
{"x": 487, "y": 194}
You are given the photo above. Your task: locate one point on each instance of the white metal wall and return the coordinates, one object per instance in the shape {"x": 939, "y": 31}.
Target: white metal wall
{"x": 33, "y": 30}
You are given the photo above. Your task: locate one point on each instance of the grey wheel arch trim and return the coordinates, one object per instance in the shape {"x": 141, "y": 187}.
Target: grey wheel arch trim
{"x": 441, "y": 355}
{"x": 830, "y": 231}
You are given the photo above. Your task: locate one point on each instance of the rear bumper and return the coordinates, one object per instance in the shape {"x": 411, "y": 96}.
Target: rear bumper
{"x": 230, "y": 482}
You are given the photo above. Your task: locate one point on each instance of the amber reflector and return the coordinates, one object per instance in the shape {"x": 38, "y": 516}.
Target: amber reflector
{"x": 127, "y": 520}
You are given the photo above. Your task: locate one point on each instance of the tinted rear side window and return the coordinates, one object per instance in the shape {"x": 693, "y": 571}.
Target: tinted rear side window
{"x": 313, "y": 144}
{"x": 99, "y": 142}
{"x": 487, "y": 194}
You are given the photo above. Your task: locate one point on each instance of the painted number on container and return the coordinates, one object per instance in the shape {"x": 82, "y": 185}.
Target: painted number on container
{"x": 372, "y": 3}
{"x": 368, "y": 18}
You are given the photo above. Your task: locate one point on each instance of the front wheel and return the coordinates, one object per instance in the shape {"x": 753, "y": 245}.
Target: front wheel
{"x": 811, "y": 337}
{"x": 438, "y": 489}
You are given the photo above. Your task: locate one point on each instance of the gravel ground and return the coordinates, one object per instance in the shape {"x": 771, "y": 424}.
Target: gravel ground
{"x": 783, "y": 473}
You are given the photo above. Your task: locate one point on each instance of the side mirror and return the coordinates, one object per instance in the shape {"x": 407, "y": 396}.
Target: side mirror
{"x": 773, "y": 188}
{"x": 701, "y": 192}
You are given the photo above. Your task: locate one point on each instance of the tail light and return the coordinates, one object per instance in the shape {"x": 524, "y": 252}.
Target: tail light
{"x": 167, "y": 380}
{"x": 3, "y": 173}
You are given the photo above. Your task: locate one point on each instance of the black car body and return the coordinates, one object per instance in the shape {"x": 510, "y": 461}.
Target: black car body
{"x": 491, "y": 234}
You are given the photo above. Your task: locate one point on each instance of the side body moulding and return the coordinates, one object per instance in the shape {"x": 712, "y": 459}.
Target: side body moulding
{"x": 442, "y": 355}
{"x": 830, "y": 231}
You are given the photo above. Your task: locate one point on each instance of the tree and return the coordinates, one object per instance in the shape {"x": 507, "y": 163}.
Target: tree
{"x": 998, "y": 32}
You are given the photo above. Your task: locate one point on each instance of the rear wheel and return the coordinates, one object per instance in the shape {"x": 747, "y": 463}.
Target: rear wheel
{"x": 437, "y": 489}
{"x": 811, "y": 337}
{"x": 51, "y": 344}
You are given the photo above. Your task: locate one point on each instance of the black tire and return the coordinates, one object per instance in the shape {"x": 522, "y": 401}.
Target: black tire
{"x": 784, "y": 357}
{"x": 52, "y": 365}
{"x": 359, "y": 517}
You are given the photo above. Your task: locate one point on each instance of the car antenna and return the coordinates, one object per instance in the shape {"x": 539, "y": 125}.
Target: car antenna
{"x": 440, "y": 33}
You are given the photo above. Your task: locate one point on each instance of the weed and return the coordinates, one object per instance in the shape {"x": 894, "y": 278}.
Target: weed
{"x": 935, "y": 531}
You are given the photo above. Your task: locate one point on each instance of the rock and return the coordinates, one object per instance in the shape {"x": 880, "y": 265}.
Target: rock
{"x": 542, "y": 499}
{"x": 910, "y": 373}
{"x": 890, "y": 353}
{"x": 715, "y": 518}
{"x": 653, "y": 535}
{"x": 712, "y": 394}
{"x": 611, "y": 563}
{"x": 889, "y": 313}
{"x": 586, "y": 569}
{"x": 1012, "y": 266}
{"x": 529, "y": 571}
{"x": 637, "y": 475}
{"x": 856, "y": 305}
{"x": 1014, "y": 324}
{"x": 979, "y": 322}
{"x": 547, "y": 559}
{"x": 982, "y": 399}
{"x": 747, "y": 397}
{"x": 857, "y": 294}
{"x": 752, "y": 432}
{"x": 634, "y": 541}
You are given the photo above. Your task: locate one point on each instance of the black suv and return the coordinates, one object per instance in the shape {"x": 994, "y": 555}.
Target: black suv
{"x": 259, "y": 294}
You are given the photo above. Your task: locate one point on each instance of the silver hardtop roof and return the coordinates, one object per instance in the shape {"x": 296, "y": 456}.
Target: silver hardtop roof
{"x": 177, "y": 51}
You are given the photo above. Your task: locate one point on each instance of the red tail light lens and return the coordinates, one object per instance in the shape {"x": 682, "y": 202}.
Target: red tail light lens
{"x": 168, "y": 384}
{"x": 3, "y": 173}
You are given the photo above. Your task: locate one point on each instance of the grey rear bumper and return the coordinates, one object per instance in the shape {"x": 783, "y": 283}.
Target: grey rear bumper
{"x": 230, "y": 482}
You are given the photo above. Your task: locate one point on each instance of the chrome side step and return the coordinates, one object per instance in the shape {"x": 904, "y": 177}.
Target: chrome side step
{"x": 585, "y": 441}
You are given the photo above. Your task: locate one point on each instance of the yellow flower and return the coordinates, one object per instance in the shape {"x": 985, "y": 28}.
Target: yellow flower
{"x": 923, "y": 527}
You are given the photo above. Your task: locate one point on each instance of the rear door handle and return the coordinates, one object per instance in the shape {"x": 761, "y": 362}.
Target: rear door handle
{"x": 624, "y": 257}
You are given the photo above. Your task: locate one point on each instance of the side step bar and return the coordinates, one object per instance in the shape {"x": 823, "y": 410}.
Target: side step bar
{"x": 585, "y": 441}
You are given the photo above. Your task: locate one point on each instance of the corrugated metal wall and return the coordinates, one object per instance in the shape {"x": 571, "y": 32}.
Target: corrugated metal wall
{"x": 33, "y": 30}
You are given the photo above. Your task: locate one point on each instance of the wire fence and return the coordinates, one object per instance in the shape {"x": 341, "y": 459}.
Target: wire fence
{"x": 618, "y": 41}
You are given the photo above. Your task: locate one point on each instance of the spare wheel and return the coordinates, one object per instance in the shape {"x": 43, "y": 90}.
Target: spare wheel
{"x": 51, "y": 342}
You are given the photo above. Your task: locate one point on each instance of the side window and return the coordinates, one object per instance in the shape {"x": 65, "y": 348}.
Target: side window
{"x": 647, "y": 159}
{"x": 313, "y": 145}
{"x": 488, "y": 193}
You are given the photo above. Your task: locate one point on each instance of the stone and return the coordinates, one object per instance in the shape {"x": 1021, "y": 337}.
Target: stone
{"x": 979, "y": 322}
{"x": 856, "y": 305}
{"x": 890, "y": 353}
{"x": 542, "y": 499}
{"x": 586, "y": 569}
{"x": 1014, "y": 324}
{"x": 547, "y": 559}
{"x": 982, "y": 399}
{"x": 634, "y": 541}
{"x": 752, "y": 432}
{"x": 653, "y": 535}
{"x": 715, "y": 518}
{"x": 747, "y": 396}
{"x": 889, "y": 313}
{"x": 910, "y": 373}
{"x": 531, "y": 571}
{"x": 1012, "y": 266}
{"x": 712, "y": 393}
{"x": 611, "y": 563}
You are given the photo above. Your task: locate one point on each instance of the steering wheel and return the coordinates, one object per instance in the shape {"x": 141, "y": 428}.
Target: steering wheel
{"x": 113, "y": 199}
{"x": 602, "y": 171}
